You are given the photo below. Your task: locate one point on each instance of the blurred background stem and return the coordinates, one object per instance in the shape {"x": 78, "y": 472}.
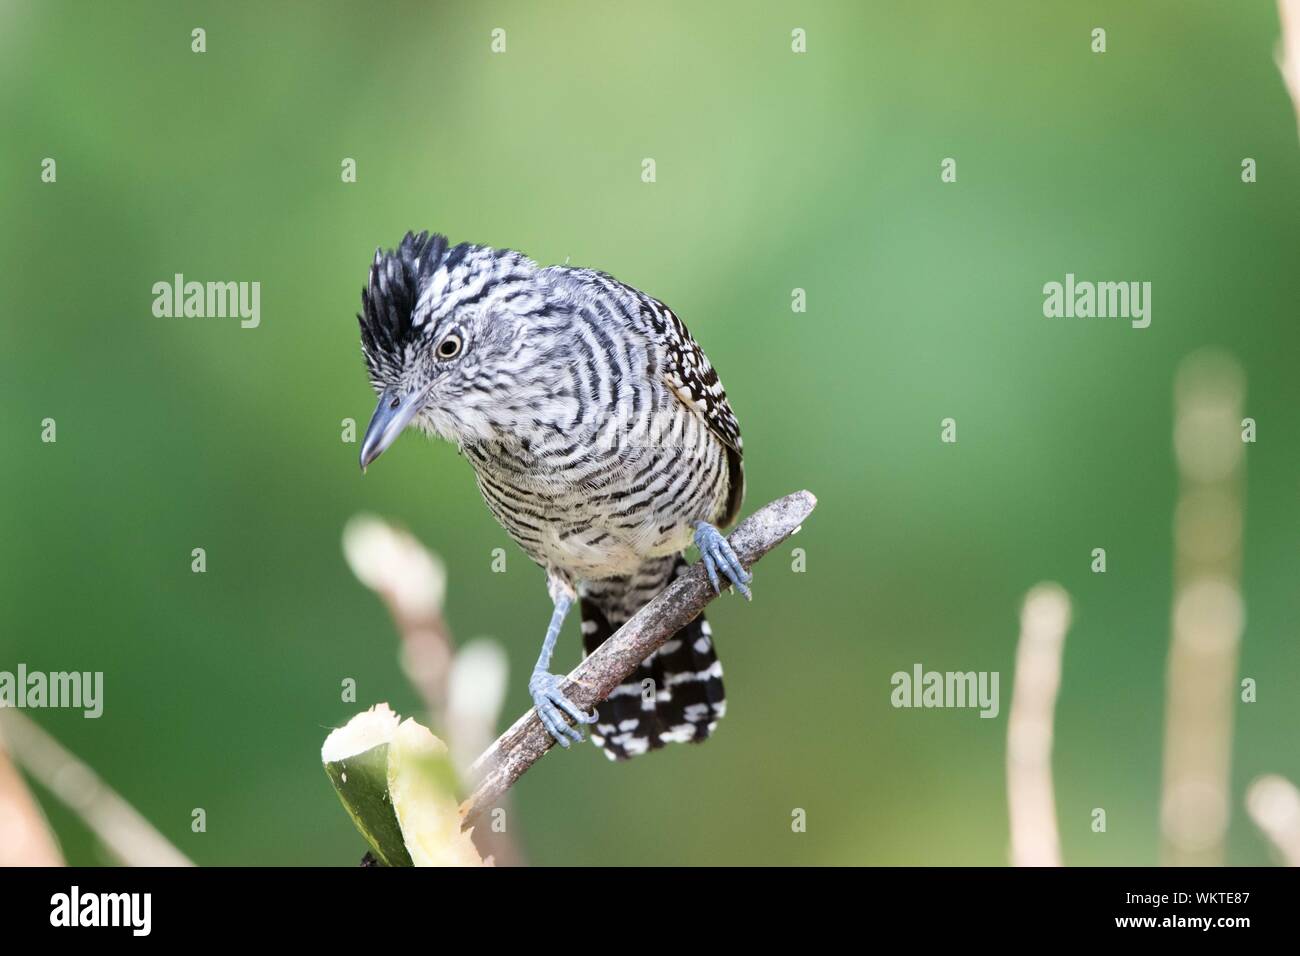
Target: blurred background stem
{"x": 1208, "y": 610}
{"x": 129, "y": 838}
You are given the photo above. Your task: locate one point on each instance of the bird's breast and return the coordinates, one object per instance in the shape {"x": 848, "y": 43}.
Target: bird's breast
{"x": 599, "y": 512}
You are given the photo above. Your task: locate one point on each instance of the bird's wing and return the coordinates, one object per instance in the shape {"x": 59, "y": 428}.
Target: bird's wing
{"x": 690, "y": 376}
{"x": 685, "y": 368}
{"x": 682, "y": 363}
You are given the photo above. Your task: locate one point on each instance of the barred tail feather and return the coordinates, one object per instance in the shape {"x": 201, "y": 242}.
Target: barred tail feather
{"x": 684, "y": 699}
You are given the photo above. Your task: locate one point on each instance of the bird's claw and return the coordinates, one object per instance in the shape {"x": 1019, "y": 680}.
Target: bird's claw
{"x": 716, "y": 553}
{"x": 552, "y": 706}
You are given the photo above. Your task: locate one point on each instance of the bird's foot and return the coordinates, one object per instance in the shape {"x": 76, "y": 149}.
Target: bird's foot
{"x": 552, "y": 705}
{"x": 716, "y": 553}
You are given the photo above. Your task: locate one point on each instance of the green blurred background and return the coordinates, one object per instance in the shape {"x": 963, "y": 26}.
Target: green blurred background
{"x": 775, "y": 171}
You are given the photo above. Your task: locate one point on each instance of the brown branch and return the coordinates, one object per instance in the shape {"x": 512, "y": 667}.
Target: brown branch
{"x": 592, "y": 681}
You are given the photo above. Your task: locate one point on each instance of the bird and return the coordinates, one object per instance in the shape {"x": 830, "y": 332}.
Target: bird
{"x": 601, "y": 439}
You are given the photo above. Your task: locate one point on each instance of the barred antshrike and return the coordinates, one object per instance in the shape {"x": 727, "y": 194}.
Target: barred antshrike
{"x": 600, "y": 437}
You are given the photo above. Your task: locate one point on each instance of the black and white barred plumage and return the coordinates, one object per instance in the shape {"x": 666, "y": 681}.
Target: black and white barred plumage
{"x": 598, "y": 431}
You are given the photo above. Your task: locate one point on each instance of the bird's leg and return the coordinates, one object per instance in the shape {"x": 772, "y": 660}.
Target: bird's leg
{"x": 716, "y": 553}
{"x": 544, "y": 686}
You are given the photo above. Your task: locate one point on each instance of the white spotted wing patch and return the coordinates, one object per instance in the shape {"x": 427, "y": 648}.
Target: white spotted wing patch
{"x": 694, "y": 381}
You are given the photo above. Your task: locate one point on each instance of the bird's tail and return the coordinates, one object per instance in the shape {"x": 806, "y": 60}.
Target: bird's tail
{"x": 676, "y": 695}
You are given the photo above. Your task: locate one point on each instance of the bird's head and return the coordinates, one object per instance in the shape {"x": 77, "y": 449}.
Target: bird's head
{"x": 445, "y": 331}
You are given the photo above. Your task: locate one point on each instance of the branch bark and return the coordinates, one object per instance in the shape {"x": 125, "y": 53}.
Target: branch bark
{"x": 590, "y": 682}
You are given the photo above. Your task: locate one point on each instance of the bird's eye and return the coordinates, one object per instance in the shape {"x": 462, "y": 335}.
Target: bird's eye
{"x": 449, "y": 347}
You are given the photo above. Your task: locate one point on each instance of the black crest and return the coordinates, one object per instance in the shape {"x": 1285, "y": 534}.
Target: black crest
{"x": 388, "y": 300}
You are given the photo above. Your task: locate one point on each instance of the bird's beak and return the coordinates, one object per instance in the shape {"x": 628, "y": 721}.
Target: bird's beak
{"x": 393, "y": 413}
